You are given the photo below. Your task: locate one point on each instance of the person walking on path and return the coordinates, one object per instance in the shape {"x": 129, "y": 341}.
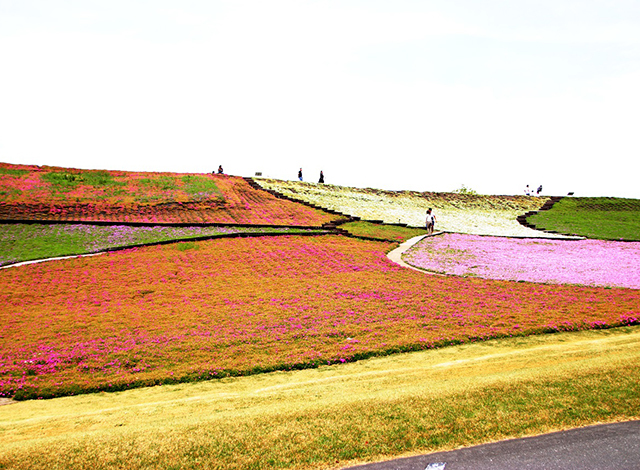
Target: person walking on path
{"x": 300, "y": 174}
{"x": 431, "y": 221}
{"x": 321, "y": 180}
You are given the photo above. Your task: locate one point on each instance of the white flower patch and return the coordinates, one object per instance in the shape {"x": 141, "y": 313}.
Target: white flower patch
{"x": 478, "y": 215}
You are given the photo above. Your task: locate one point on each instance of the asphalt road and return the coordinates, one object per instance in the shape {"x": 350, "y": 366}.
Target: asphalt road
{"x": 601, "y": 447}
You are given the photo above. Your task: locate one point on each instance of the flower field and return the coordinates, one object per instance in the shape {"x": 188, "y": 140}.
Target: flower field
{"x": 34, "y": 193}
{"x": 462, "y": 213}
{"x": 51, "y": 185}
{"x": 24, "y": 242}
{"x": 586, "y": 262}
{"x": 189, "y": 311}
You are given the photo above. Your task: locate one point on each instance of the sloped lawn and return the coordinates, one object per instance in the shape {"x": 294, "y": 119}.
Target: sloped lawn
{"x": 604, "y": 218}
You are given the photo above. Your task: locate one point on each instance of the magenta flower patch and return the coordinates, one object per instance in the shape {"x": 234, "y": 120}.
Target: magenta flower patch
{"x": 586, "y": 262}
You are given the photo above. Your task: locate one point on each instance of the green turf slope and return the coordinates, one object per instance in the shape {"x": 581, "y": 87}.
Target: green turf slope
{"x": 593, "y": 217}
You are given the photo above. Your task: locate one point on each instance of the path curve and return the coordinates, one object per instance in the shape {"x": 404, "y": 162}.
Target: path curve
{"x": 395, "y": 255}
{"x": 34, "y": 261}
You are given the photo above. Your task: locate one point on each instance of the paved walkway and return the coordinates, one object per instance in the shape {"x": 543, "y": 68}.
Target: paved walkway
{"x": 396, "y": 255}
{"x": 49, "y": 259}
{"x": 602, "y": 447}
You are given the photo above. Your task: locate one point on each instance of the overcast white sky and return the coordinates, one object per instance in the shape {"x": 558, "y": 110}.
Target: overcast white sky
{"x": 425, "y": 95}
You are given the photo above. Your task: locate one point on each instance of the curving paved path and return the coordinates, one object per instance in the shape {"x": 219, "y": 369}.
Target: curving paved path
{"x": 602, "y": 447}
{"x": 396, "y": 254}
{"x": 22, "y": 263}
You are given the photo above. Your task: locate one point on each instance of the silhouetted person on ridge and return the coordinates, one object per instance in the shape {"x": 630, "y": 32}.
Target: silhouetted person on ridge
{"x": 321, "y": 180}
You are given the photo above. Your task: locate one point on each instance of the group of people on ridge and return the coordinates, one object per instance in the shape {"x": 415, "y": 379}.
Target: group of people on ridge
{"x": 321, "y": 180}
{"x": 529, "y": 191}
{"x": 431, "y": 217}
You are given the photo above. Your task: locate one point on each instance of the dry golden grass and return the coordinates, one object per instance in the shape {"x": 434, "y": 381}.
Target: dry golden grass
{"x": 334, "y": 416}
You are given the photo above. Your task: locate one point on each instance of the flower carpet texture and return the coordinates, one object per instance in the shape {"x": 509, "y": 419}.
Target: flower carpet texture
{"x": 165, "y": 314}
{"x": 463, "y": 213}
{"x": 59, "y": 194}
{"x": 23, "y": 242}
{"x": 587, "y": 262}
{"x": 50, "y": 185}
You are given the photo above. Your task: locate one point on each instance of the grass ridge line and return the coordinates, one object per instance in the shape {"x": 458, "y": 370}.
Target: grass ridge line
{"x": 522, "y": 219}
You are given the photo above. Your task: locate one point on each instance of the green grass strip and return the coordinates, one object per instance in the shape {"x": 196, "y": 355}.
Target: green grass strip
{"x": 602, "y": 218}
{"x": 195, "y": 185}
{"x": 12, "y": 172}
{"x": 66, "y": 181}
{"x": 26, "y": 242}
{"x": 382, "y": 232}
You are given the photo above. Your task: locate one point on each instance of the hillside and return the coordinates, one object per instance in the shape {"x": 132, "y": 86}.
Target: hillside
{"x": 29, "y": 193}
{"x": 593, "y": 217}
{"x": 330, "y": 314}
{"x": 462, "y": 213}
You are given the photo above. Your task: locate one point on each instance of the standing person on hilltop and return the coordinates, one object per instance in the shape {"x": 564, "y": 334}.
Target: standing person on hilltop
{"x": 300, "y": 174}
{"x": 539, "y": 190}
{"x": 527, "y": 191}
{"x": 321, "y": 180}
{"x": 431, "y": 221}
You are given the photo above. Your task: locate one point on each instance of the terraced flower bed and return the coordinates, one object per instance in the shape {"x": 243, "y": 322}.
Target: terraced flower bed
{"x": 463, "y": 213}
{"x": 196, "y": 310}
{"x": 25, "y": 242}
{"x": 59, "y": 194}
{"x": 587, "y": 262}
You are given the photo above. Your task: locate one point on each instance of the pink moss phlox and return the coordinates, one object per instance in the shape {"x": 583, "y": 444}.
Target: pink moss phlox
{"x": 586, "y": 262}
